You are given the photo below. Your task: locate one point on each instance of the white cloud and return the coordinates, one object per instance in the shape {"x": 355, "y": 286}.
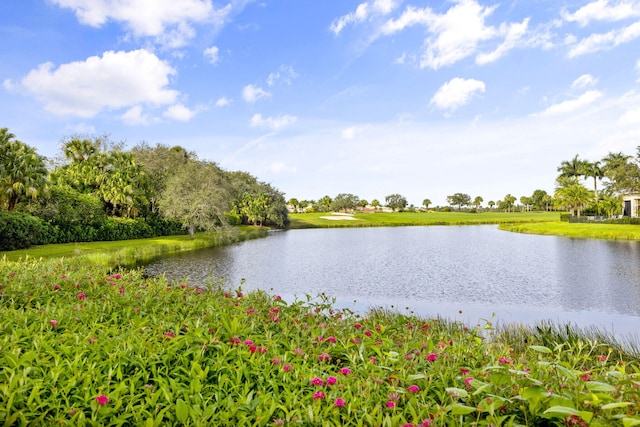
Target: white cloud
{"x": 179, "y": 112}
{"x": 572, "y": 105}
{"x": 274, "y": 123}
{"x": 285, "y": 73}
{"x": 630, "y": 117}
{"x": 223, "y": 102}
{"x": 605, "y": 41}
{"x": 135, "y": 116}
{"x": 456, "y": 93}
{"x": 513, "y": 34}
{"x": 8, "y": 85}
{"x": 169, "y": 21}
{"x": 458, "y": 33}
{"x": 351, "y": 132}
{"x": 584, "y": 81}
{"x": 363, "y": 12}
{"x": 211, "y": 54}
{"x": 251, "y": 93}
{"x": 114, "y": 80}
{"x": 603, "y": 10}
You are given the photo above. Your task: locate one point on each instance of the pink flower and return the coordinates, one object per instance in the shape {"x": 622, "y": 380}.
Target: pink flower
{"x": 464, "y": 371}
{"x": 340, "y": 402}
{"x": 318, "y": 395}
{"x": 298, "y": 351}
{"x": 136, "y": 309}
{"x": 331, "y": 380}
{"x": 345, "y": 371}
{"x": 324, "y": 356}
{"x": 413, "y": 389}
{"x": 183, "y": 285}
{"x": 367, "y": 333}
{"x": 504, "y": 361}
{"x": 426, "y": 423}
{"x": 317, "y": 381}
{"x": 248, "y": 342}
{"x": 56, "y": 288}
{"x": 331, "y": 339}
{"x": 407, "y": 425}
{"x": 601, "y": 358}
{"x": 63, "y": 276}
{"x": 102, "y": 399}
{"x": 169, "y": 335}
{"x": 116, "y": 276}
{"x": 53, "y": 322}
{"x": 121, "y": 290}
{"x": 251, "y": 311}
{"x": 358, "y": 326}
{"x": 81, "y": 296}
{"x": 432, "y": 357}
{"x": 198, "y": 291}
{"x": 391, "y": 404}
{"x": 468, "y": 380}
{"x": 286, "y": 367}
{"x": 276, "y": 361}
{"x": 277, "y": 298}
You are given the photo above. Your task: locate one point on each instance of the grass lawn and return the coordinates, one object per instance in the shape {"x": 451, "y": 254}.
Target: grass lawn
{"x": 577, "y": 230}
{"x": 315, "y": 220}
{"x": 130, "y": 252}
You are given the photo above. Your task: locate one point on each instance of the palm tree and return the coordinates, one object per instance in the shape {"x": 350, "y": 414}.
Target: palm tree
{"x": 571, "y": 168}
{"x": 575, "y": 196}
{"x": 22, "y": 170}
{"x": 595, "y": 171}
{"x": 426, "y": 203}
{"x": 78, "y": 150}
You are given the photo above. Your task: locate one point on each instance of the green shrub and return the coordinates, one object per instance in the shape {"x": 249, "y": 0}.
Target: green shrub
{"x": 20, "y": 230}
{"x": 124, "y": 229}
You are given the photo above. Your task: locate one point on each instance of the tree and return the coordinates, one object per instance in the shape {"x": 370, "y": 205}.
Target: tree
{"x": 344, "y": 202}
{"x": 198, "y": 196}
{"x": 375, "y": 203}
{"x": 527, "y": 202}
{"x": 363, "y": 203}
{"x": 595, "y": 171}
{"x": 575, "y": 196}
{"x": 459, "y": 199}
{"x": 571, "y": 168}
{"x": 508, "y": 203}
{"x": 540, "y": 200}
{"x": 22, "y": 171}
{"x": 491, "y": 204}
{"x": 294, "y": 203}
{"x": 477, "y": 202}
{"x": 323, "y": 204}
{"x": 396, "y": 202}
{"x": 622, "y": 174}
{"x": 426, "y": 203}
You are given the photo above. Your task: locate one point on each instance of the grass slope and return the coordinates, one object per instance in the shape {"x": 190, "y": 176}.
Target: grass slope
{"x": 577, "y": 230}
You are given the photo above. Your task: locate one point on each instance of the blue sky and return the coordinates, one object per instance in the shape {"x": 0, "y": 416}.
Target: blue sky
{"x": 421, "y": 98}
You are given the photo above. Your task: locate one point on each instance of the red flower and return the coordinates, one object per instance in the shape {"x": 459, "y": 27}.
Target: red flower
{"x": 345, "y": 371}
{"x": 391, "y": 404}
{"x": 53, "y": 322}
{"x": 317, "y": 381}
{"x": 331, "y": 380}
{"x": 102, "y": 399}
{"x": 81, "y": 296}
{"x": 340, "y": 402}
{"x": 432, "y": 357}
{"x": 318, "y": 395}
{"x": 413, "y": 389}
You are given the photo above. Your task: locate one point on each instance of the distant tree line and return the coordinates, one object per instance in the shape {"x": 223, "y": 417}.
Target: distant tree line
{"x": 97, "y": 190}
{"x": 577, "y": 191}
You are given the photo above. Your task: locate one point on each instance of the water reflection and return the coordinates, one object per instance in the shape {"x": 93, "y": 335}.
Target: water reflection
{"x": 478, "y": 270}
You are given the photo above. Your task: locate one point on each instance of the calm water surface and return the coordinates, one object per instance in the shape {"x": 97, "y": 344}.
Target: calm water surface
{"x": 466, "y": 273}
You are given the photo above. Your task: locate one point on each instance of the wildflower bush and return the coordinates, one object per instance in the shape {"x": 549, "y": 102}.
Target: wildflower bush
{"x": 80, "y": 347}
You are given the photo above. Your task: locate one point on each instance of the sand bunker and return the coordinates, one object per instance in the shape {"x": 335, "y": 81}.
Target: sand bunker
{"x": 340, "y": 217}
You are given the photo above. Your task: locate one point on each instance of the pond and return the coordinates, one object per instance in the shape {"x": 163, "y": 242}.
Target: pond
{"x": 465, "y": 273}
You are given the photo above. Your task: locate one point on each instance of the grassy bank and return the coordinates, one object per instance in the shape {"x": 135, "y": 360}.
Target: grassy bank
{"x": 79, "y": 347}
{"x": 577, "y": 230}
{"x": 132, "y": 252}
{"x": 318, "y": 220}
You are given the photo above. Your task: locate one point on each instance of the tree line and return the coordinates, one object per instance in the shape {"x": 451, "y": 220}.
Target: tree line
{"x": 97, "y": 190}
{"x": 576, "y": 191}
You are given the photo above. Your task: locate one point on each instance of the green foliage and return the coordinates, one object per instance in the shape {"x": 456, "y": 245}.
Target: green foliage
{"x": 20, "y": 230}
{"x": 22, "y": 171}
{"x": 344, "y": 202}
{"x": 396, "y": 202}
{"x": 82, "y": 347}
